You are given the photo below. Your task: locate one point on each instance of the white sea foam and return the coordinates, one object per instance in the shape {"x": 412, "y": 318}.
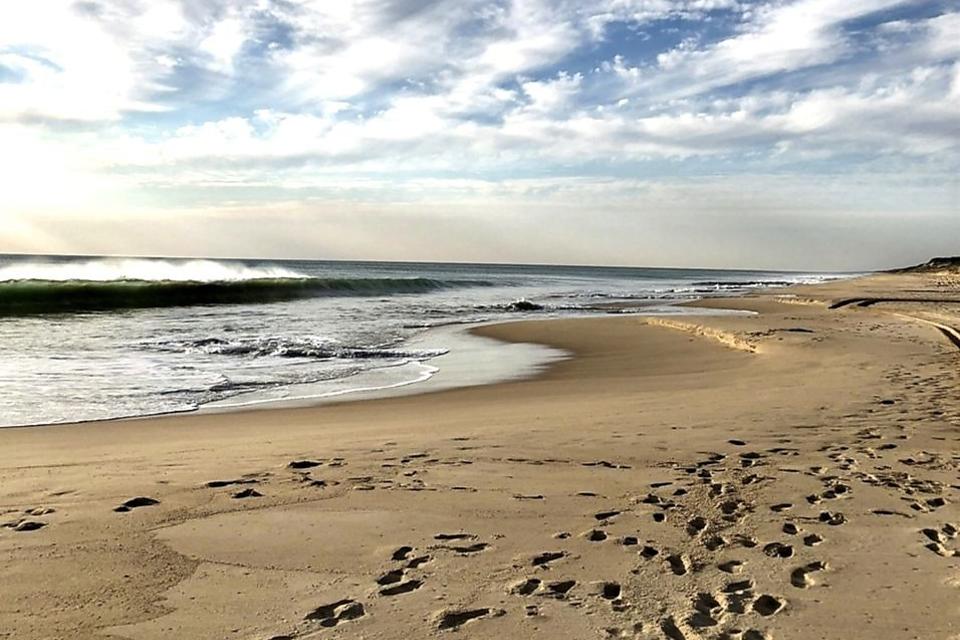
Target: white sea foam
{"x": 145, "y": 269}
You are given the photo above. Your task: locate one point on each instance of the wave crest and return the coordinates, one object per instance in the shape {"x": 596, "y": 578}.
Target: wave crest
{"x": 20, "y": 297}
{"x": 141, "y": 269}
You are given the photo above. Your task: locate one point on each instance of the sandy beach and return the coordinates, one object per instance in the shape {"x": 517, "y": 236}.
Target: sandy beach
{"x": 791, "y": 474}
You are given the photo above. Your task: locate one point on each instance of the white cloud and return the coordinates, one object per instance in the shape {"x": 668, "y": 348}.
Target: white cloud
{"x": 944, "y": 35}
{"x": 224, "y": 42}
{"x": 553, "y": 94}
{"x": 775, "y": 38}
{"x": 911, "y": 115}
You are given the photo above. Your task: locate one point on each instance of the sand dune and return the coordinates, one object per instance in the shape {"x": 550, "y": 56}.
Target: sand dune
{"x": 663, "y": 483}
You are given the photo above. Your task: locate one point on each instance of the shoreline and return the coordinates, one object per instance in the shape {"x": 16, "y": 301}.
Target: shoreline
{"x": 525, "y": 366}
{"x": 264, "y": 518}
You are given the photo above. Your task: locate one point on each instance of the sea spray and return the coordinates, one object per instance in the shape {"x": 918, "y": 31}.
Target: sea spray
{"x": 142, "y": 269}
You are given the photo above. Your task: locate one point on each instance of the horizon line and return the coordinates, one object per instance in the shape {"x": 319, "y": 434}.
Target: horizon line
{"x": 438, "y": 262}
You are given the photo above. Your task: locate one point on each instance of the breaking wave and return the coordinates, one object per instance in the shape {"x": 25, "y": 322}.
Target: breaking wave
{"x": 141, "y": 269}
{"x": 131, "y": 284}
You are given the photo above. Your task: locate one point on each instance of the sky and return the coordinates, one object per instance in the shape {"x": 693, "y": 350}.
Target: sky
{"x": 793, "y": 134}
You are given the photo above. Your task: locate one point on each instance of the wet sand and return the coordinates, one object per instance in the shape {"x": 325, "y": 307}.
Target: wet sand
{"x": 793, "y": 474}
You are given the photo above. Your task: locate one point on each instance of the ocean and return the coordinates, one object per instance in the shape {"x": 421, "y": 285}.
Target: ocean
{"x": 89, "y": 338}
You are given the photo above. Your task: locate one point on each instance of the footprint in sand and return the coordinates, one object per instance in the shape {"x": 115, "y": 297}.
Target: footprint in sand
{"x": 606, "y": 465}
{"x": 941, "y": 550}
{"x": 750, "y": 459}
{"x": 831, "y": 518}
{"x": 606, "y": 515}
{"x": 417, "y": 562}
{"x": 939, "y": 538}
{"x": 134, "y": 503}
{"x": 933, "y": 535}
{"x": 561, "y": 588}
{"x": 891, "y": 512}
{"x": 652, "y": 498}
{"x": 835, "y": 491}
{"x": 730, "y": 507}
{"x": 610, "y": 590}
{"x": 217, "y": 484}
{"x": 746, "y": 541}
{"x": 767, "y": 605}
{"x": 778, "y": 550}
{"x": 390, "y": 577}
{"x": 738, "y": 595}
{"x": 696, "y": 525}
{"x": 454, "y": 536}
{"x": 679, "y": 564}
{"x": 544, "y": 559}
{"x": 743, "y": 634}
{"x": 401, "y": 553}
{"x": 456, "y": 618}
{"x": 708, "y": 611}
{"x": 715, "y": 543}
{"x": 800, "y": 577}
{"x": 718, "y": 489}
{"x": 461, "y": 549}
{"x": 790, "y": 529}
{"x": 731, "y": 566}
{"x": 525, "y": 587}
{"x": 466, "y": 549}
{"x": 812, "y": 540}
{"x": 304, "y": 464}
{"x": 402, "y": 587}
{"x": 739, "y": 586}
{"x": 330, "y": 615}
{"x": 670, "y": 629}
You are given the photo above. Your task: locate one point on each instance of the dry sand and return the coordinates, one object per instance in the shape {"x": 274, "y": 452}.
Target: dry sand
{"x": 793, "y": 474}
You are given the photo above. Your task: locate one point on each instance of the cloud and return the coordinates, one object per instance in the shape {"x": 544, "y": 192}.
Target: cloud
{"x": 166, "y": 103}
{"x": 771, "y": 39}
